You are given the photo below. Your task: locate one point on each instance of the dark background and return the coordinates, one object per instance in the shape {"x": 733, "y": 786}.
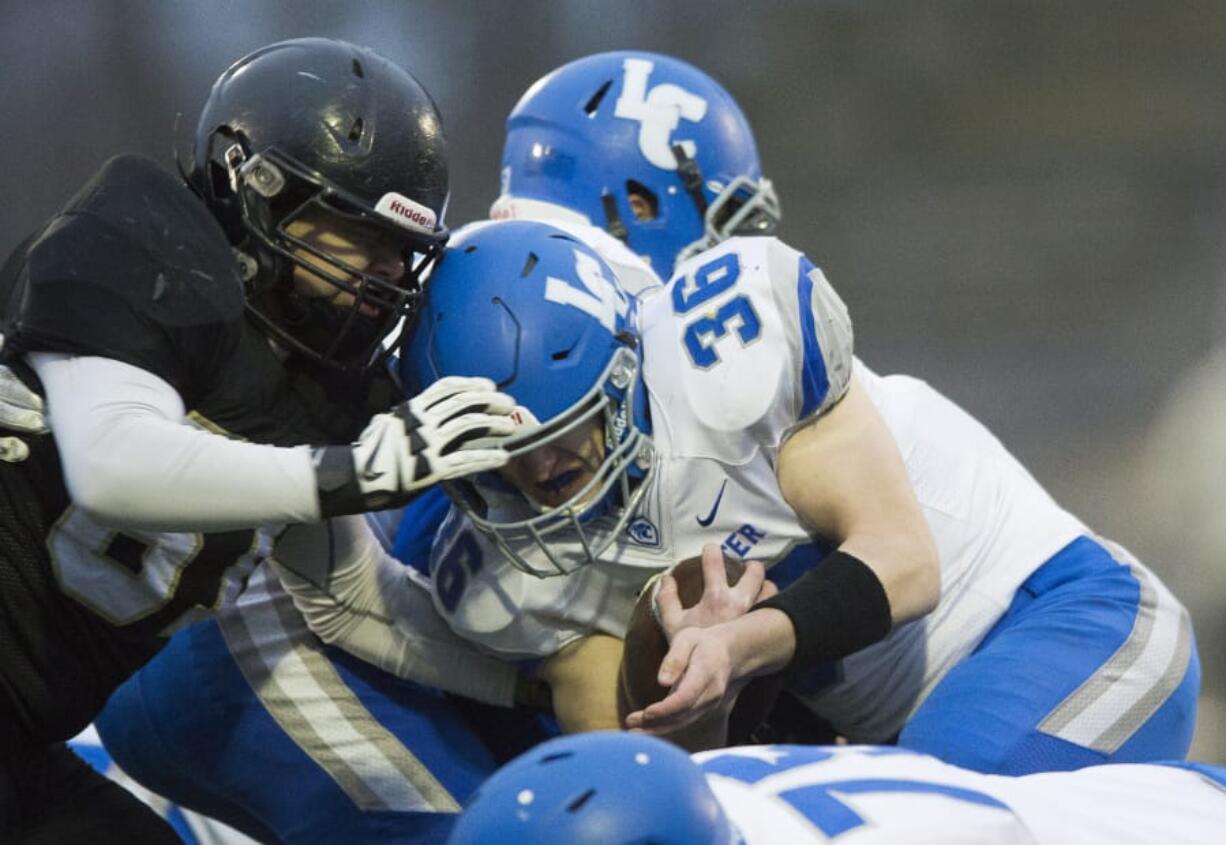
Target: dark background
{"x": 1022, "y": 203}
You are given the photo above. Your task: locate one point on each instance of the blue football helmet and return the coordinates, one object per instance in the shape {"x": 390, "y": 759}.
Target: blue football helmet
{"x": 540, "y": 314}
{"x": 603, "y": 788}
{"x": 600, "y": 128}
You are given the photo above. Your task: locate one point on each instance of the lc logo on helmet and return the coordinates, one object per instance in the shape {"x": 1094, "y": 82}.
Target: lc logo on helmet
{"x": 658, "y": 112}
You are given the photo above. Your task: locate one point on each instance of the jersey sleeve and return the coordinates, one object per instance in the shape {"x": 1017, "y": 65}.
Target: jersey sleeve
{"x": 135, "y": 269}
{"x": 754, "y": 342}
{"x": 355, "y": 596}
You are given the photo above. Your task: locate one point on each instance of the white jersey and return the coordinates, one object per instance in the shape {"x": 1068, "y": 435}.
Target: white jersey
{"x": 863, "y": 795}
{"x": 748, "y": 342}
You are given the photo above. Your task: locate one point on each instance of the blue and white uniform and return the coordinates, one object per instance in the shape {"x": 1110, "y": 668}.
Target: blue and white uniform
{"x": 295, "y": 740}
{"x": 192, "y": 828}
{"x": 1049, "y": 648}
{"x": 863, "y": 794}
{"x": 251, "y": 719}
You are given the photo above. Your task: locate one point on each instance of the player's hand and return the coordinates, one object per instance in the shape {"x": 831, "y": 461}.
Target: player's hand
{"x": 21, "y": 409}
{"x": 701, "y": 667}
{"x": 451, "y": 429}
{"x": 719, "y": 602}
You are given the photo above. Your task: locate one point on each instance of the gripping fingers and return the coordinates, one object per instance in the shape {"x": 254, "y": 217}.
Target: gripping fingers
{"x": 470, "y": 461}
{"x": 714, "y": 579}
{"x": 747, "y": 589}
{"x": 678, "y": 657}
{"x": 689, "y": 701}
{"x": 450, "y": 387}
{"x": 20, "y": 408}
{"x": 668, "y": 608}
{"x": 464, "y": 405}
{"x": 472, "y": 427}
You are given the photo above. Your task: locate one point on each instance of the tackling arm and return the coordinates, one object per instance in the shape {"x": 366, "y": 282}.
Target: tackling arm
{"x": 357, "y": 597}
{"x": 130, "y": 459}
{"x": 844, "y": 477}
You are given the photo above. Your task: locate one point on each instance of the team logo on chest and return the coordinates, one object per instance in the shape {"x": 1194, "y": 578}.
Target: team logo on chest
{"x": 658, "y": 112}
{"x": 643, "y": 531}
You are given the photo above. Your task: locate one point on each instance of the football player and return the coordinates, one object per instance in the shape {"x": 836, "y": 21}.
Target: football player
{"x": 932, "y": 590}
{"x": 212, "y": 357}
{"x": 641, "y": 195}
{"x": 615, "y": 788}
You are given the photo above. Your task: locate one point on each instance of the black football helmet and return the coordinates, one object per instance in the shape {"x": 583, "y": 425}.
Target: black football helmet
{"x": 314, "y": 130}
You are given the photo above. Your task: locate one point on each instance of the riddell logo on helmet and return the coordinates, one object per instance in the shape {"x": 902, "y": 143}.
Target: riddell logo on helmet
{"x": 402, "y": 210}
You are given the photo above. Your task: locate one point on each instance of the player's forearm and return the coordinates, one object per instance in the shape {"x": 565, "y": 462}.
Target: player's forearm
{"x": 583, "y": 677}
{"x": 130, "y": 458}
{"x": 762, "y": 642}
{"x": 355, "y": 596}
{"x": 907, "y": 565}
{"x": 846, "y": 479}
{"x": 200, "y": 482}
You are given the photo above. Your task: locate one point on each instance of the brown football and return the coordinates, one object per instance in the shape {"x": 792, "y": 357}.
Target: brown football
{"x": 646, "y": 647}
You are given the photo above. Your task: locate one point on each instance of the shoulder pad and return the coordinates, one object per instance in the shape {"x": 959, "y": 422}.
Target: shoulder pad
{"x": 748, "y": 339}
{"x": 134, "y": 217}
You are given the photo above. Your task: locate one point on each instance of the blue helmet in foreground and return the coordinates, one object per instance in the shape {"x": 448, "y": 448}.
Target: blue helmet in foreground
{"x": 538, "y": 312}
{"x": 595, "y": 131}
{"x": 604, "y": 788}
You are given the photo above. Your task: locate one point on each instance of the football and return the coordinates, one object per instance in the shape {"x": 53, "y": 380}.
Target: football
{"x": 646, "y": 644}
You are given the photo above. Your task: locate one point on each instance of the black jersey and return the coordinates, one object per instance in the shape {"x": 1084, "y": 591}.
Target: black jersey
{"x": 137, "y": 270}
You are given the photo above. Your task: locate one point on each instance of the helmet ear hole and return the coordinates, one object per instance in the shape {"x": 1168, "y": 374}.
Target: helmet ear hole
{"x": 577, "y": 805}
{"x": 528, "y": 265}
{"x": 643, "y": 201}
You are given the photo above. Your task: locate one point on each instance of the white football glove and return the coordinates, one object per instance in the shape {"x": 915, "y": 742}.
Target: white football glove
{"x": 452, "y": 428}
{"x": 21, "y": 409}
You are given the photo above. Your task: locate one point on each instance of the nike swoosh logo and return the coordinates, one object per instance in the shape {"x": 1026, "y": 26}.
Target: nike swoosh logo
{"x": 714, "y": 508}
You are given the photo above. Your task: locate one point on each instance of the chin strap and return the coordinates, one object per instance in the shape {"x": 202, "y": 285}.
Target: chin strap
{"x": 691, "y": 178}
{"x": 614, "y": 225}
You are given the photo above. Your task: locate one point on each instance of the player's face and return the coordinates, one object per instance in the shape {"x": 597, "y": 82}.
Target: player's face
{"x": 367, "y": 250}
{"x": 551, "y": 474}
{"x": 643, "y": 207}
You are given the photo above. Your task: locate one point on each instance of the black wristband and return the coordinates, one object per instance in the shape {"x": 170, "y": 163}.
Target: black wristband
{"x": 836, "y": 608}
{"x": 337, "y": 485}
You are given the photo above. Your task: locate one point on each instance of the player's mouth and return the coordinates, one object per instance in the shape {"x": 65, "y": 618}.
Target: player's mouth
{"x": 563, "y": 485}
